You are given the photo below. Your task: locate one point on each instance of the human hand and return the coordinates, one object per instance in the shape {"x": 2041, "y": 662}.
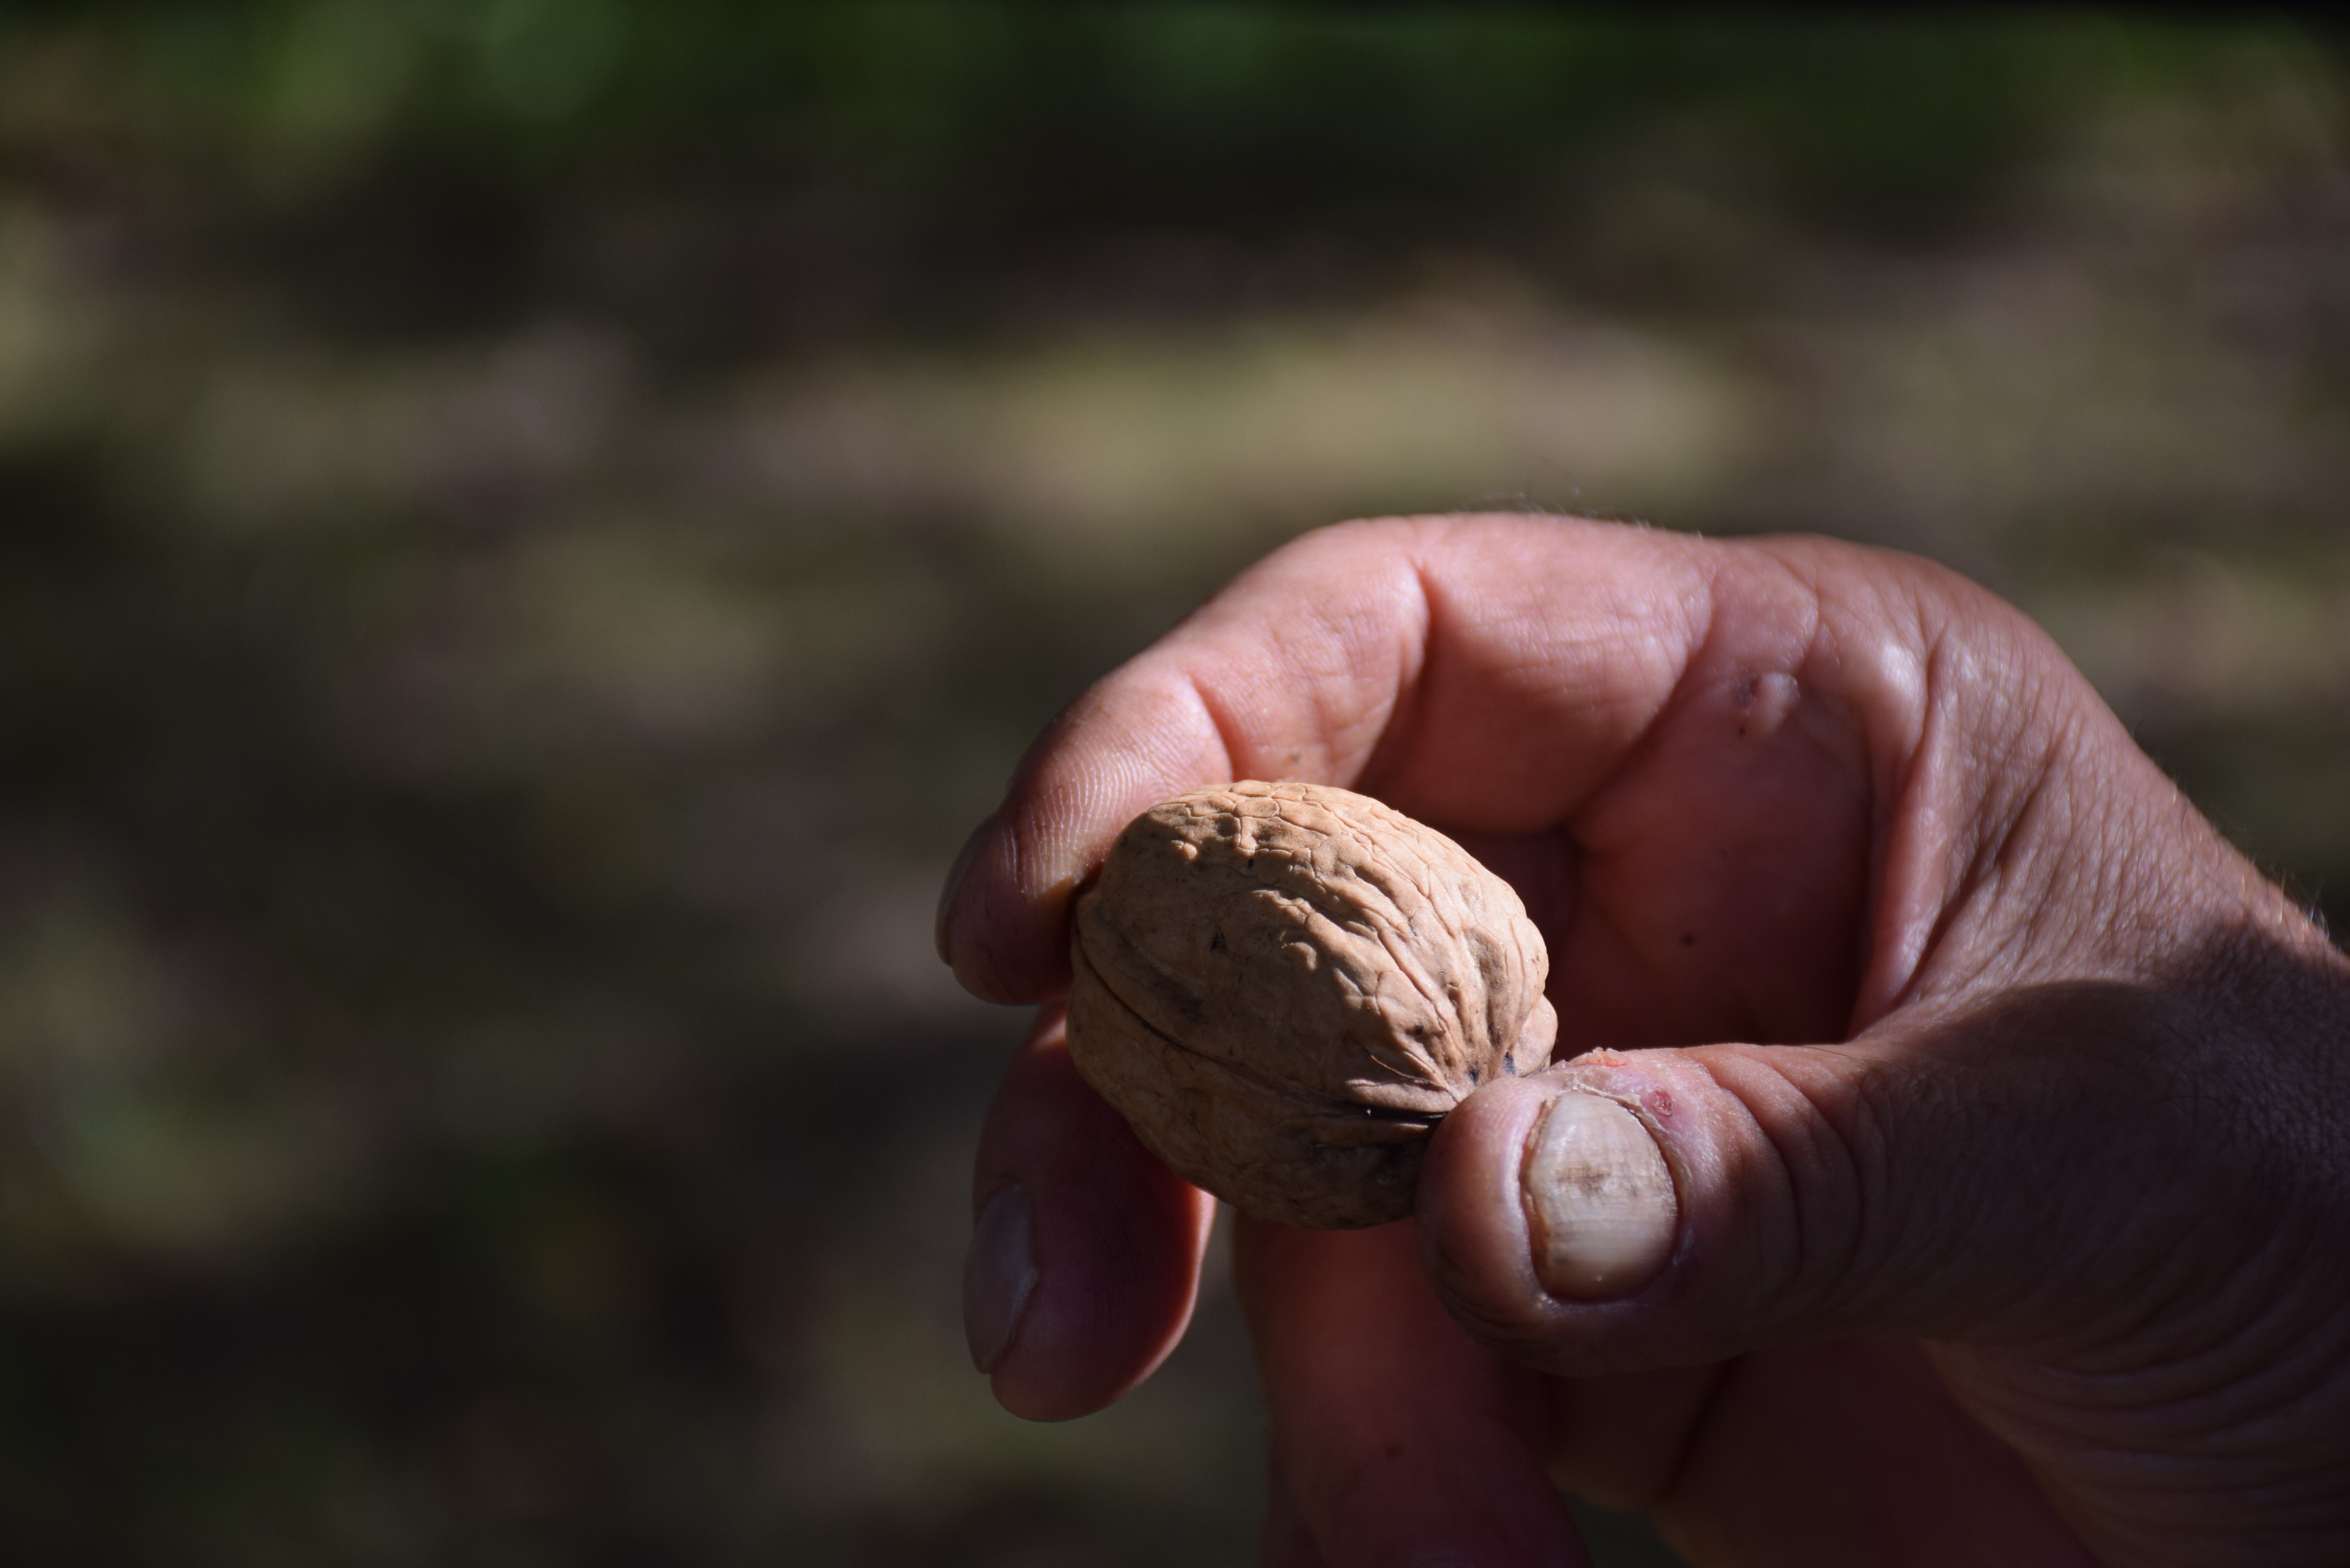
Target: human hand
{"x": 2006, "y": 1108}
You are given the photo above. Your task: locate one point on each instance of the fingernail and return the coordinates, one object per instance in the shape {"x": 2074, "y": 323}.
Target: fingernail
{"x": 999, "y": 1275}
{"x": 942, "y": 924}
{"x": 1599, "y": 1200}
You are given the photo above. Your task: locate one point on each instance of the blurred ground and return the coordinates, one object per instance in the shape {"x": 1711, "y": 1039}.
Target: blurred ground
{"x": 529, "y": 531}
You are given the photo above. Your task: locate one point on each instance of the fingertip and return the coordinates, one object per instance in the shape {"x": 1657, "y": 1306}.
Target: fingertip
{"x": 999, "y": 1275}
{"x": 1116, "y": 1280}
{"x": 944, "y": 922}
{"x": 1548, "y": 1212}
{"x": 1475, "y": 1240}
{"x": 1086, "y": 1250}
{"x": 1003, "y": 944}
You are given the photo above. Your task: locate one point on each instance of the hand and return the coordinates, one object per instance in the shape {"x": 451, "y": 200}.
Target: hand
{"x": 2006, "y": 1108}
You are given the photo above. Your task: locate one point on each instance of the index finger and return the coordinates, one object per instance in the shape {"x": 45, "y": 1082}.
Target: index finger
{"x": 1482, "y": 672}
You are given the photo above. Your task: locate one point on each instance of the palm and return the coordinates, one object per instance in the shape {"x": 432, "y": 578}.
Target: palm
{"x": 1713, "y": 888}
{"x": 1709, "y": 891}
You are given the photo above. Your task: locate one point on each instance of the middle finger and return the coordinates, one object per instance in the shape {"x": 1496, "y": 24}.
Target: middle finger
{"x": 1401, "y": 1439}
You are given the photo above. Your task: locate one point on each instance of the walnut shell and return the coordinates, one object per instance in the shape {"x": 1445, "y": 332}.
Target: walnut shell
{"x": 1283, "y": 987}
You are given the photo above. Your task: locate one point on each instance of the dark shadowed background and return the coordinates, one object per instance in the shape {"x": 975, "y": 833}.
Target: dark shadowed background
{"x": 530, "y": 529}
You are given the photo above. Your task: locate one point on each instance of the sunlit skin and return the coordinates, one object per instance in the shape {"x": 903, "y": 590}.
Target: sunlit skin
{"x": 2007, "y": 1106}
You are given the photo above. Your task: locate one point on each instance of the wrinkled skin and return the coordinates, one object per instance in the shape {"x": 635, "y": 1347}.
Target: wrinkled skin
{"x": 2007, "y": 1106}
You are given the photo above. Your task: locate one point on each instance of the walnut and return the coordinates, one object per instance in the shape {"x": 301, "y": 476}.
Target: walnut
{"x": 1283, "y": 987}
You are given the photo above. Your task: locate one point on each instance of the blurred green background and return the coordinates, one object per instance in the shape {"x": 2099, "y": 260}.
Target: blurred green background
{"x": 530, "y": 529}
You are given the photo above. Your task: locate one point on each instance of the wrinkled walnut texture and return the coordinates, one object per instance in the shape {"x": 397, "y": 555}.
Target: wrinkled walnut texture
{"x": 1283, "y": 987}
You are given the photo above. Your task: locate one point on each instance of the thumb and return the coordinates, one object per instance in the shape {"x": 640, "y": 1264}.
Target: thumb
{"x": 2027, "y": 1174}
